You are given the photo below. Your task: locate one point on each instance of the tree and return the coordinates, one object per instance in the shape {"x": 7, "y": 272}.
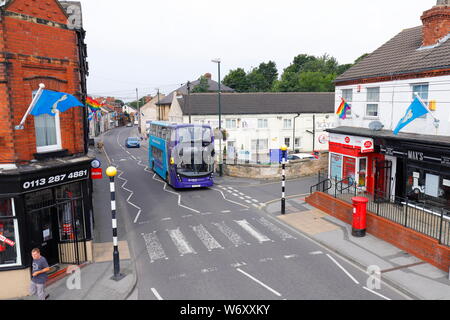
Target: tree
{"x": 202, "y": 87}
{"x": 237, "y": 79}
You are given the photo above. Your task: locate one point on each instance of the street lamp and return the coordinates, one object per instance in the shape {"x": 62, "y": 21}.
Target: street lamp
{"x": 220, "y": 120}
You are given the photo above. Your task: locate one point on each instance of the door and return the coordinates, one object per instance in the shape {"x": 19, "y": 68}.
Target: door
{"x": 383, "y": 180}
{"x": 42, "y": 224}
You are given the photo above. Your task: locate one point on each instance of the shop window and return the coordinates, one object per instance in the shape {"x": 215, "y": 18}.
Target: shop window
{"x": 362, "y": 172}
{"x": 9, "y": 235}
{"x": 349, "y": 169}
{"x": 428, "y": 185}
{"x": 336, "y": 166}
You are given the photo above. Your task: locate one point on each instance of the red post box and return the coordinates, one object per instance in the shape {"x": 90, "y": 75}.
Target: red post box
{"x": 359, "y": 224}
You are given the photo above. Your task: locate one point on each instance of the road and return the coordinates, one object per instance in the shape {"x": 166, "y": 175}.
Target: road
{"x": 216, "y": 243}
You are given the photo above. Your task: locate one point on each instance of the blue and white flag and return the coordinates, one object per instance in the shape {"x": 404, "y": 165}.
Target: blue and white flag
{"x": 51, "y": 101}
{"x": 415, "y": 110}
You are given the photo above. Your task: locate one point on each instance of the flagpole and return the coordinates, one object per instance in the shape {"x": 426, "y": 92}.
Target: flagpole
{"x": 30, "y": 108}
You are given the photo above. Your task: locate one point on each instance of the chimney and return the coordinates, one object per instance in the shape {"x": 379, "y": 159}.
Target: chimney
{"x": 436, "y": 23}
{"x": 208, "y": 76}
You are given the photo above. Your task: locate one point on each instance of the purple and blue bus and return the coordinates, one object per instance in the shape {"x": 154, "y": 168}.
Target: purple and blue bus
{"x": 182, "y": 154}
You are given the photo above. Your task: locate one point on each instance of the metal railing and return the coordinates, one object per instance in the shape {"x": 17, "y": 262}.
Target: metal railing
{"x": 426, "y": 217}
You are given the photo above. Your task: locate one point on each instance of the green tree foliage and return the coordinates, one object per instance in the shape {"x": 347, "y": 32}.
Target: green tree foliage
{"x": 202, "y": 87}
{"x": 237, "y": 79}
{"x": 260, "y": 79}
{"x": 307, "y": 73}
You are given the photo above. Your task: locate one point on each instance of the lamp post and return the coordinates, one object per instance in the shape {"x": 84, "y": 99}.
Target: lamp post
{"x": 218, "y": 61}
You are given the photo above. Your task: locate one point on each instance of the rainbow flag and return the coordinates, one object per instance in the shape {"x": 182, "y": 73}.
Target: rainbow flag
{"x": 342, "y": 110}
{"x": 93, "y": 104}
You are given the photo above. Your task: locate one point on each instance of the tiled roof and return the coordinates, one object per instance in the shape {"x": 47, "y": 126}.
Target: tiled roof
{"x": 402, "y": 54}
{"x": 259, "y": 103}
{"x": 212, "y": 87}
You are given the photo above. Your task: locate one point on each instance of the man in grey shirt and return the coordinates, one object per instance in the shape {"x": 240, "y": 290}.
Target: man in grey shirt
{"x": 39, "y": 275}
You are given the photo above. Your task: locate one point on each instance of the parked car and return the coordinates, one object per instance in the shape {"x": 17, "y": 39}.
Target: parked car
{"x": 133, "y": 142}
{"x": 301, "y": 156}
{"x": 129, "y": 124}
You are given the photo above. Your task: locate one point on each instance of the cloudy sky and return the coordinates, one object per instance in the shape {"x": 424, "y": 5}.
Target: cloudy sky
{"x": 164, "y": 43}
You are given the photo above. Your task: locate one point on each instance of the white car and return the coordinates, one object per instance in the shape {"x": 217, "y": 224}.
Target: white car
{"x": 301, "y": 156}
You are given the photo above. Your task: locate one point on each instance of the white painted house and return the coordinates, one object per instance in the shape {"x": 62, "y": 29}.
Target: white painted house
{"x": 258, "y": 122}
{"x": 416, "y": 162}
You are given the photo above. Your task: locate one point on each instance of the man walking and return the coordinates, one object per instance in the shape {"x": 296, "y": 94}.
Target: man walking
{"x": 39, "y": 275}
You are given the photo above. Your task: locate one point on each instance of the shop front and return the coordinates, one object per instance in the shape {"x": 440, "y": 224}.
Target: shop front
{"x": 46, "y": 206}
{"x": 353, "y": 159}
{"x": 422, "y": 171}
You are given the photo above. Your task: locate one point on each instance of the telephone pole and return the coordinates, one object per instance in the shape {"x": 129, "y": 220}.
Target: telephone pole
{"x": 159, "y": 107}
{"x": 138, "y": 110}
{"x": 189, "y": 101}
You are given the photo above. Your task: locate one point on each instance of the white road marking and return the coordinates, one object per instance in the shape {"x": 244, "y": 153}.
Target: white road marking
{"x": 252, "y": 231}
{"x": 156, "y": 294}
{"x": 315, "y": 253}
{"x": 180, "y": 242}
{"x": 166, "y": 219}
{"x": 248, "y": 201}
{"x": 240, "y": 204}
{"x": 242, "y": 198}
{"x": 226, "y": 211}
{"x": 206, "y": 270}
{"x": 255, "y": 200}
{"x": 342, "y": 268}
{"x": 259, "y": 282}
{"x": 291, "y": 256}
{"x": 129, "y": 197}
{"x": 154, "y": 248}
{"x": 238, "y": 264}
{"x": 275, "y": 229}
{"x": 235, "y": 194}
{"x": 376, "y": 293}
{"x": 207, "y": 239}
{"x": 248, "y": 197}
{"x": 230, "y": 234}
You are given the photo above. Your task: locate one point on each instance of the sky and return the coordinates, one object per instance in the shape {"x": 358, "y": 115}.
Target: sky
{"x": 145, "y": 45}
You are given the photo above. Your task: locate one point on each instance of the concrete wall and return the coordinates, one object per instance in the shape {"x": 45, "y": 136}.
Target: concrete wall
{"x": 294, "y": 169}
{"x": 14, "y": 284}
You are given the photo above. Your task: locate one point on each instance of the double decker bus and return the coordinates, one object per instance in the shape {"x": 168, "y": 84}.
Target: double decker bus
{"x": 182, "y": 154}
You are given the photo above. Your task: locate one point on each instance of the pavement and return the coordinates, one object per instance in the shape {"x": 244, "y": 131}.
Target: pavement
{"x": 398, "y": 268}
{"x": 409, "y": 275}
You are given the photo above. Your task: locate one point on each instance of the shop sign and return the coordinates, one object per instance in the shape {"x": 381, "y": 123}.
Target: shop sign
{"x": 415, "y": 155}
{"x": 55, "y": 179}
{"x": 96, "y": 173}
{"x": 353, "y": 141}
{"x": 7, "y": 241}
{"x": 445, "y": 161}
{"x": 367, "y": 146}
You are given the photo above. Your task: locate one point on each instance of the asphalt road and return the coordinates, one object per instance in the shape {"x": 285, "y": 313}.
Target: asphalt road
{"x": 216, "y": 244}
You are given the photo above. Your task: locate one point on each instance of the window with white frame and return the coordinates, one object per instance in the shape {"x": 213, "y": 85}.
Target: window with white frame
{"x": 9, "y": 235}
{"x": 231, "y": 124}
{"x": 260, "y": 145}
{"x": 422, "y": 91}
{"x": 263, "y": 124}
{"x": 373, "y": 99}
{"x": 287, "y": 123}
{"x": 48, "y": 134}
{"x": 347, "y": 94}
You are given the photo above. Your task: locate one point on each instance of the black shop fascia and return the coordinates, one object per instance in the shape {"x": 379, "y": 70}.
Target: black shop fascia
{"x": 46, "y": 205}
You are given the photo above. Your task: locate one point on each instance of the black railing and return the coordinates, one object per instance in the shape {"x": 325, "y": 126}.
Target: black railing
{"x": 322, "y": 186}
{"x": 426, "y": 217}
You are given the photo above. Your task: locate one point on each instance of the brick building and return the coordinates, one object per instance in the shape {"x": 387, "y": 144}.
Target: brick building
{"x": 45, "y": 190}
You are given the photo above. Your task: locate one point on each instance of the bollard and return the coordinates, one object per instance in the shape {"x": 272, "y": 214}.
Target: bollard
{"x": 283, "y": 178}
{"x": 112, "y": 172}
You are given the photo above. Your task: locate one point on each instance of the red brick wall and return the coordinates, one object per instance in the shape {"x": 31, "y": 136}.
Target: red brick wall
{"x": 436, "y": 25}
{"x": 415, "y": 243}
{"x": 37, "y": 53}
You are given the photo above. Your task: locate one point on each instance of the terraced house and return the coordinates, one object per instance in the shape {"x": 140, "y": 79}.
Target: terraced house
{"x": 406, "y": 176}
{"x": 45, "y": 194}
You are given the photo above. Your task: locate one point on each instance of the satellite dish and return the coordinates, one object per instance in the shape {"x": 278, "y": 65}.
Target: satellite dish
{"x": 376, "y": 126}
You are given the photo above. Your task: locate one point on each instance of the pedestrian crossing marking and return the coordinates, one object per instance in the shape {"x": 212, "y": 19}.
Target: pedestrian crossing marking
{"x": 252, "y": 231}
{"x": 180, "y": 242}
{"x": 207, "y": 239}
{"x": 275, "y": 229}
{"x": 154, "y": 248}
{"x": 230, "y": 234}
